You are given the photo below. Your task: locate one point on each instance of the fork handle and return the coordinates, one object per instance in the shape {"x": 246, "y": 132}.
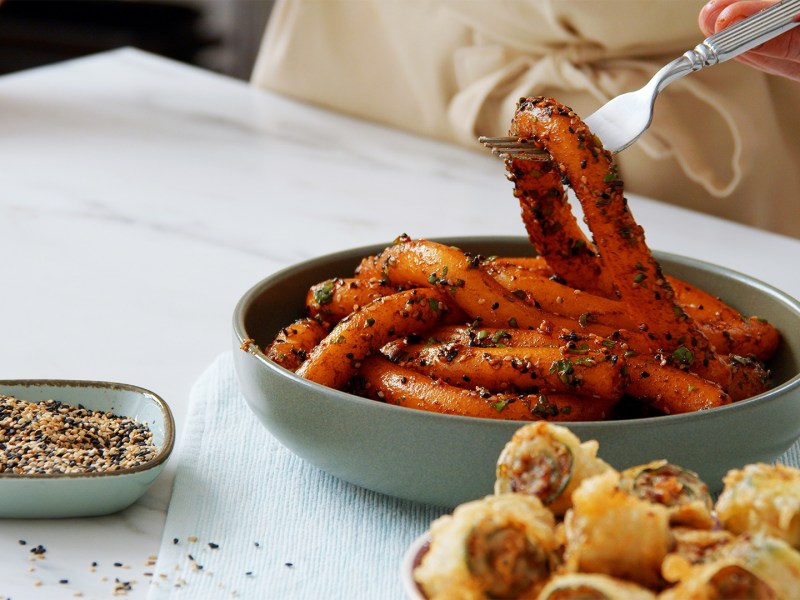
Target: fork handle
{"x": 748, "y": 33}
{"x": 732, "y": 41}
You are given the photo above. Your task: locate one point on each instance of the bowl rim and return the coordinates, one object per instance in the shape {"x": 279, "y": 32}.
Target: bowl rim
{"x": 411, "y": 556}
{"x": 742, "y": 405}
{"x": 163, "y": 408}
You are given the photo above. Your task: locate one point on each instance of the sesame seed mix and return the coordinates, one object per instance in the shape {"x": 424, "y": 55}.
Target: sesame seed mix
{"x": 53, "y": 437}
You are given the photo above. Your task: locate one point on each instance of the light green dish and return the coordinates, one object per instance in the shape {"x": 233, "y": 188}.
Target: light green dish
{"x": 60, "y": 495}
{"x": 447, "y": 460}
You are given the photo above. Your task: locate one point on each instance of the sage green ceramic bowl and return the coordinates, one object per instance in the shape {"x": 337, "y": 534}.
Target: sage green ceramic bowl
{"x": 447, "y": 460}
{"x": 58, "y": 495}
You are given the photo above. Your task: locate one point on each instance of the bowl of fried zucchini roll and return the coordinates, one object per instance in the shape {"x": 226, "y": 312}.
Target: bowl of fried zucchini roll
{"x": 562, "y": 524}
{"x": 405, "y": 367}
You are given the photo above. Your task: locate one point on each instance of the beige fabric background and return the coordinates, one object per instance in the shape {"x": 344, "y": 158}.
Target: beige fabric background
{"x": 725, "y": 140}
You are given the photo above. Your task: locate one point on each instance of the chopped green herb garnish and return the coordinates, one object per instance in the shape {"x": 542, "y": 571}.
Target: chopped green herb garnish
{"x": 499, "y": 405}
{"x": 682, "y": 355}
{"x": 324, "y": 294}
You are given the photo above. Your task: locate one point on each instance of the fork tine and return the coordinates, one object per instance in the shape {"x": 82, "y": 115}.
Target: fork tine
{"x": 513, "y": 147}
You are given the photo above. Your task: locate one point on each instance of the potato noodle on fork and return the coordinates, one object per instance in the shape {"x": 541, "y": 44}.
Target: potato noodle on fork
{"x": 589, "y": 329}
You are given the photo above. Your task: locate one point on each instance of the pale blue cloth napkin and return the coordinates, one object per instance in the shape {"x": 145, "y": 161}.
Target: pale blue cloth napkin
{"x": 792, "y": 456}
{"x": 252, "y": 520}
{"x": 248, "y": 519}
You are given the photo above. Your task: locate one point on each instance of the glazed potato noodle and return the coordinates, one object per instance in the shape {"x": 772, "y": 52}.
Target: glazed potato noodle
{"x": 514, "y": 369}
{"x": 583, "y": 329}
{"x": 292, "y": 344}
{"x": 382, "y": 380}
{"x": 648, "y": 532}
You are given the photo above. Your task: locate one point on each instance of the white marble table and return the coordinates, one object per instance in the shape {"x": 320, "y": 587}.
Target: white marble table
{"x": 140, "y": 198}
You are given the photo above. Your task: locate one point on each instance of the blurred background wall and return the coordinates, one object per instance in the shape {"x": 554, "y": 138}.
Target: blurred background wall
{"x": 221, "y": 35}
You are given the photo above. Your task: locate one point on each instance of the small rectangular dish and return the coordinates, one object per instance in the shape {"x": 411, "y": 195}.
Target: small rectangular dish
{"x": 56, "y": 494}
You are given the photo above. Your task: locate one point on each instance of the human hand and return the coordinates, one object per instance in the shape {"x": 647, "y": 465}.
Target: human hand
{"x": 778, "y": 56}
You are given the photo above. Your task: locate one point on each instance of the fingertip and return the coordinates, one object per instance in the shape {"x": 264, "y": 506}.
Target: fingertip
{"x": 729, "y": 16}
{"x": 712, "y": 17}
{"x": 707, "y": 17}
{"x": 739, "y": 10}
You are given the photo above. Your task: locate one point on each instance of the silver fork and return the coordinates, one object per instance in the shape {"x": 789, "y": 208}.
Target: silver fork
{"x": 621, "y": 121}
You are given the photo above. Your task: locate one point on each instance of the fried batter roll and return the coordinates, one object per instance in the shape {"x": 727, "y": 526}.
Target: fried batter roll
{"x": 497, "y": 547}
{"x": 593, "y": 586}
{"x": 549, "y": 462}
{"x": 339, "y": 355}
{"x": 750, "y": 568}
{"x": 762, "y": 499}
{"x": 611, "y": 531}
{"x": 682, "y": 491}
{"x": 694, "y": 547}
